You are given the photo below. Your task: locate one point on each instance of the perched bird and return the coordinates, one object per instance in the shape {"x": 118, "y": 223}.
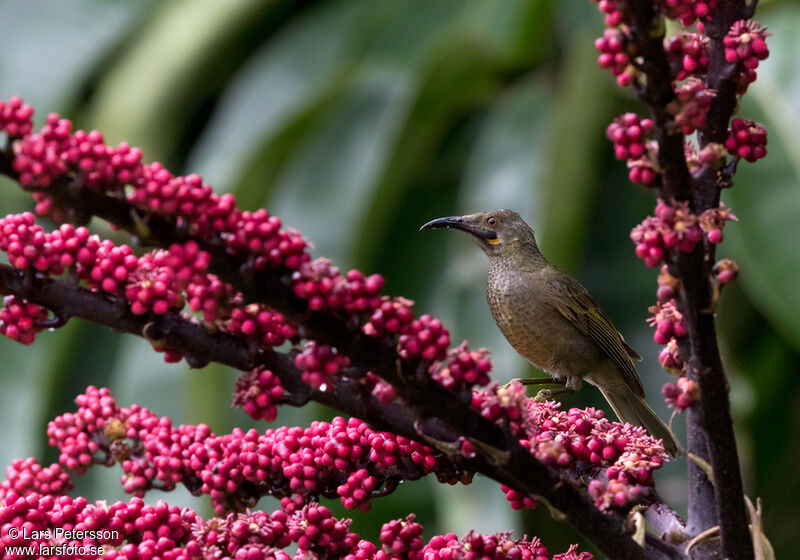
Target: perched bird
{"x": 552, "y": 321}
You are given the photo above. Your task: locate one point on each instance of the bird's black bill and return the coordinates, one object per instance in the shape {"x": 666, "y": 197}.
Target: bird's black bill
{"x": 447, "y": 222}
{"x": 458, "y": 222}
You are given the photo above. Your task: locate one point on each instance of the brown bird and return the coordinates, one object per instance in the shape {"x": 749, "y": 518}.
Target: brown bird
{"x": 552, "y": 321}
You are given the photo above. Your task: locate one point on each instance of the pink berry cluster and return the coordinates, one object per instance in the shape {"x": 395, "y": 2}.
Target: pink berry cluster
{"x": 319, "y": 363}
{"x": 671, "y": 357}
{"x": 688, "y": 11}
{"x": 321, "y": 283}
{"x": 29, "y": 246}
{"x": 670, "y": 331}
{"x": 518, "y": 500}
{"x": 177, "y": 280}
{"x": 629, "y": 479}
{"x": 136, "y": 531}
{"x": 21, "y": 320}
{"x": 691, "y": 104}
{"x": 154, "y": 283}
{"x": 687, "y": 54}
{"x": 256, "y": 534}
{"x": 355, "y": 493}
{"x": 56, "y": 152}
{"x": 157, "y": 531}
{"x": 681, "y": 394}
{"x": 713, "y": 220}
{"x": 402, "y": 538}
{"x": 687, "y": 51}
{"x": 158, "y": 282}
{"x": 341, "y": 458}
{"x": 668, "y": 322}
{"x": 27, "y": 476}
{"x": 463, "y": 368}
{"x": 78, "y": 435}
{"x": 746, "y": 46}
{"x": 39, "y": 157}
{"x": 425, "y": 337}
{"x": 673, "y": 228}
{"x": 212, "y": 298}
{"x": 668, "y": 285}
{"x": 392, "y": 316}
{"x": 504, "y": 405}
{"x": 629, "y": 135}
{"x": 563, "y": 438}
{"x": 315, "y": 529}
{"x": 102, "y": 165}
{"x": 259, "y": 237}
{"x": 499, "y": 546}
{"x": 42, "y": 157}
{"x": 614, "y": 10}
{"x": 629, "y": 454}
{"x": 259, "y": 323}
{"x": 15, "y": 117}
{"x": 725, "y": 271}
{"x": 747, "y": 140}
{"x": 614, "y": 48}
{"x": 258, "y": 392}
{"x": 712, "y": 155}
{"x": 745, "y": 43}
{"x": 380, "y": 389}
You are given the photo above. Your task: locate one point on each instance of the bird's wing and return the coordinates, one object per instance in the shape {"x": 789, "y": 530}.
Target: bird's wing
{"x": 574, "y": 302}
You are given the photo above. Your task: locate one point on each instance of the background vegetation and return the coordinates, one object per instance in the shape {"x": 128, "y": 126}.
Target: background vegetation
{"x": 356, "y": 121}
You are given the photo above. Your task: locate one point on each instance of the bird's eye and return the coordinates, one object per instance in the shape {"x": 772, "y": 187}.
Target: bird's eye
{"x": 491, "y": 221}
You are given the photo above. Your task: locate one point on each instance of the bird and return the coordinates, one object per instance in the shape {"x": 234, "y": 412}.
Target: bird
{"x": 550, "y": 319}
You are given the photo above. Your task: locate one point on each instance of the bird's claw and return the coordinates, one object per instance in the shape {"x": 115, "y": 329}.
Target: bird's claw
{"x": 534, "y": 381}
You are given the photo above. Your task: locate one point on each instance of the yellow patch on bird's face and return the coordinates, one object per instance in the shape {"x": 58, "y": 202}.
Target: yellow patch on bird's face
{"x": 494, "y": 241}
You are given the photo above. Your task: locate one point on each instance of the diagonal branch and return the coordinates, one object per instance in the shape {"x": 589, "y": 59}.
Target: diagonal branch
{"x": 521, "y": 470}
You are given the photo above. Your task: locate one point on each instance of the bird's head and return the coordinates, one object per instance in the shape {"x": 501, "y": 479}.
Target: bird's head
{"x": 497, "y": 232}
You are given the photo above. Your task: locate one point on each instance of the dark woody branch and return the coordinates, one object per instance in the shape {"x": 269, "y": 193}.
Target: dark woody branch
{"x": 709, "y": 425}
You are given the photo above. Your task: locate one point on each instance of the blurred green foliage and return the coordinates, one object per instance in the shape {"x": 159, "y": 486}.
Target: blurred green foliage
{"x": 357, "y": 121}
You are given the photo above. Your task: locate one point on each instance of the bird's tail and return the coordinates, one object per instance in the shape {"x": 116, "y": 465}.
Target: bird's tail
{"x": 634, "y": 410}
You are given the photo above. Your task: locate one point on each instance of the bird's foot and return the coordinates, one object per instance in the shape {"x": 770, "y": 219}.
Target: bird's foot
{"x": 536, "y": 381}
{"x": 545, "y": 395}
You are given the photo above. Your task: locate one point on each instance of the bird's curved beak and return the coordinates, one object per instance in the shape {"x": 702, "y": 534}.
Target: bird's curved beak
{"x": 458, "y": 222}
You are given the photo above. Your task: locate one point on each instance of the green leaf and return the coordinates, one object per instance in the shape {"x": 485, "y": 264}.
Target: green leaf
{"x": 338, "y": 162}
{"x": 459, "y": 78}
{"x": 78, "y": 355}
{"x": 765, "y": 196}
{"x": 51, "y": 46}
{"x": 21, "y": 405}
{"x": 284, "y": 80}
{"x": 186, "y": 50}
{"x": 519, "y": 31}
{"x": 572, "y": 180}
